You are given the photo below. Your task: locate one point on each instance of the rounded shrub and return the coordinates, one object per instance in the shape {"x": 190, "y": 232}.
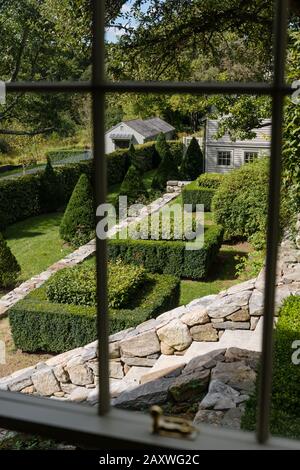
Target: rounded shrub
{"x": 50, "y": 189}
{"x": 78, "y": 223}
{"x": 193, "y": 162}
{"x": 241, "y": 201}
{"x": 133, "y": 186}
{"x": 210, "y": 180}
{"x": 9, "y": 266}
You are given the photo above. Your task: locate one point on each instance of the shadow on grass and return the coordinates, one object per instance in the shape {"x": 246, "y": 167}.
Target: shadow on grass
{"x": 33, "y": 227}
{"x": 225, "y": 266}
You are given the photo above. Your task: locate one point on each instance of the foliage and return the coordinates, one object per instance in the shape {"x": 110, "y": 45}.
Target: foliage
{"x": 39, "y": 325}
{"x": 9, "y": 267}
{"x": 169, "y": 257}
{"x": 78, "y": 223}
{"x": 77, "y": 285}
{"x": 176, "y": 148}
{"x": 46, "y": 40}
{"x": 194, "y": 194}
{"x": 167, "y": 169}
{"x": 193, "y": 162}
{"x": 291, "y": 149}
{"x": 285, "y": 418}
{"x": 133, "y": 186}
{"x": 250, "y": 266}
{"x": 240, "y": 204}
{"x": 210, "y": 180}
{"x": 50, "y": 191}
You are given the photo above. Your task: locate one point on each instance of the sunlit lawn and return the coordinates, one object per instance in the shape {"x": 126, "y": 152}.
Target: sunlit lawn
{"x": 36, "y": 243}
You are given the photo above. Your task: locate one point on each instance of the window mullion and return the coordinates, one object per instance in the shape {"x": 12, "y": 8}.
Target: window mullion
{"x": 273, "y": 236}
{"x": 98, "y": 95}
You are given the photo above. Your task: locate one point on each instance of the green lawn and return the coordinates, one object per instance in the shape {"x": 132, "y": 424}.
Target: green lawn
{"x": 36, "y": 243}
{"x": 222, "y": 275}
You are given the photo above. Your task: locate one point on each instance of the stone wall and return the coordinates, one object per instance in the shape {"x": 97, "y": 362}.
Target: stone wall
{"x": 158, "y": 347}
{"x": 176, "y": 186}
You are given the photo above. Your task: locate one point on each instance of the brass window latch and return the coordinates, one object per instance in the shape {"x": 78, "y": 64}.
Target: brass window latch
{"x": 169, "y": 426}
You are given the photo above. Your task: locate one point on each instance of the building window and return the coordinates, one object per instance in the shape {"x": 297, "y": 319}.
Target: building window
{"x": 122, "y": 144}
{"x": 249, "y": 157}
{"x": 224, "y": 158}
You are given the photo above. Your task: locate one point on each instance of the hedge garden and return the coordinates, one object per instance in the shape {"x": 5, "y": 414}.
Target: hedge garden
{"x": 40, "y": 324}
{"x": 202, "y": 190}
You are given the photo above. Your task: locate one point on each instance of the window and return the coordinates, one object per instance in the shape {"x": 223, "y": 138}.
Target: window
{"x": 224, "y": 158}
{"x": 120, "y": 429}
{"x": 249, "y": 157}
{"x": 122, "y": 144}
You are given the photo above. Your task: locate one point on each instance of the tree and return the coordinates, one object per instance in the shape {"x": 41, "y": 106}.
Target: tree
{"x": 133, "y": 186}
{"x": 9, "y": 267}
{"x": 50, "y": 191}
{"x": 193, "y": 162}
{"x": 78, "y": 223}
{"x": 167, "y": 169}
{"x": 46, "y": 40}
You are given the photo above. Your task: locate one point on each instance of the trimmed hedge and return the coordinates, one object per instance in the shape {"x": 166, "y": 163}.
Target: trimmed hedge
{"x": 9, "y": 266}
{"x": 240, "y": 204}
{"x": 77, "y": 285}
{"x": 285, "y": 409}
{"x": 169, "y": 257}
{"x": 176, "y": 148}
{"x": 38, "y": 325}
{"x": 202, "y": 190}
{"x": 194, "y": 194}
{"x": 20, "y": 197}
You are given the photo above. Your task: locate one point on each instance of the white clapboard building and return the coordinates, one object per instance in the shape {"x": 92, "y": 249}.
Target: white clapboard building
{"x": 137, "y": 131}
{"x": 223, "y": 155}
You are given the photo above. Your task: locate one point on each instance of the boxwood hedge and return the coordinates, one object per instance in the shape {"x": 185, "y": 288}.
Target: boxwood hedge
{"x": 202, "y": 190}
{"x": 39, "y": 325}
{"x": 169, "y": 257}
{"x": 77, "y": 285}
{"x": 285, "y": 410}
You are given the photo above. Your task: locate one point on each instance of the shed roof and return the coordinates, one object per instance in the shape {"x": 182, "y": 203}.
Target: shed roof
{"x": 149, "y": 127}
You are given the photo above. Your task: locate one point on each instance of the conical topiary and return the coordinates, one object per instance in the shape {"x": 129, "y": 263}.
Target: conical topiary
{"x": 162, "y": 145}
{"x": 133, "y": 186}
{"x": 9, "y": 266}
{"x": 166, "y": 171}
{"x": 78, "y": 223}
{"x": 50, "y": 190}
{"x": 193, "y": 162}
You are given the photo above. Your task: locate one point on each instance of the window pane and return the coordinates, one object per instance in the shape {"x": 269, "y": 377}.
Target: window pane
{"x": 194, "y": 353}
{"x": 46, "y": 214}
{"x": 190, "y": 41}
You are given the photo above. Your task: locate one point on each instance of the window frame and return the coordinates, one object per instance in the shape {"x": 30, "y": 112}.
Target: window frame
{"x": 231, "y": 158}
{"x": 121, "y": 429}
{"x": 251, "y": 152}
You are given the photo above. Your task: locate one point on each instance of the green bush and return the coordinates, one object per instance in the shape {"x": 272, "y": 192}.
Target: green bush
{"x": 285, "y": 411}
{"x": 133, "y": 186}
{"x": 167, "y": 169}
{"x": 19, "y": 199}
{"x": 169, "y": 257}
{"x": 194, "y": 194}
{"x": 210, "y": 180}
{"x": 240, "y": 204}
{"x": 39, "y": 325}
{"x": 50, "y": 192}
{"x": 78, "y": 223}
{"x": 176, "y": 148}
{"x": 192, "y": 162}
{"x": 77, "y": 285}
{"x": 9, "y": 267}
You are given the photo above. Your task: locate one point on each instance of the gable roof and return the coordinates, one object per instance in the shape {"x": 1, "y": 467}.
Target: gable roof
{"x": 149, "y": 127}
